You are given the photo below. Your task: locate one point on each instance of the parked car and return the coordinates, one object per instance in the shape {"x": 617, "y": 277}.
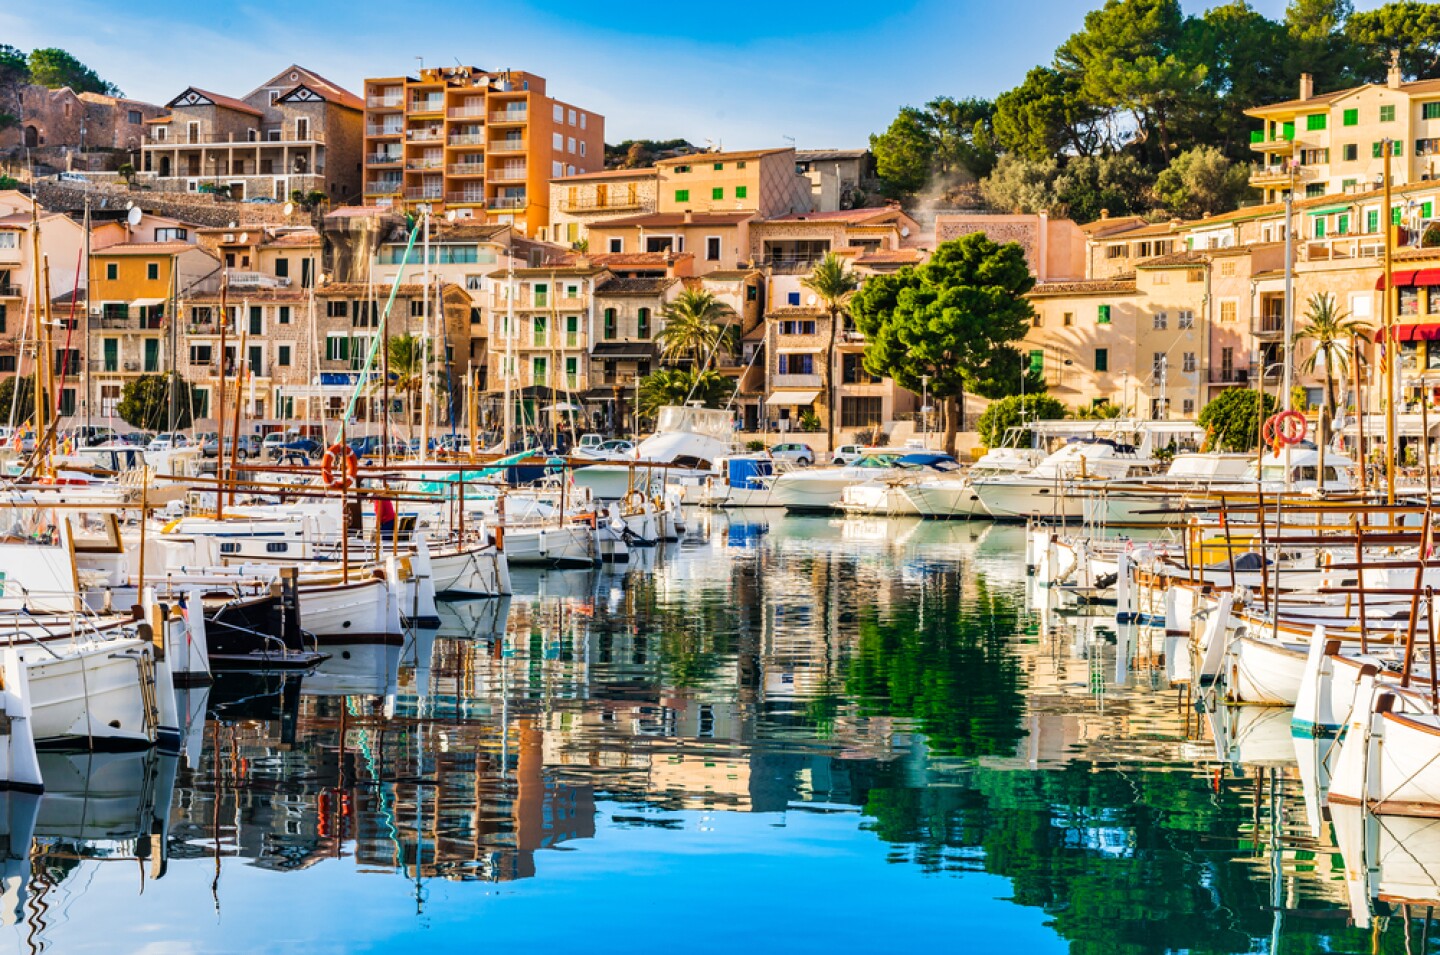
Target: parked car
{"x": 139, "y": 439}
{"x": 295, "y": 447}
{"x": 89, "y": 436}
{"x": 369, "y": 447}
{"x": 800, "y": 454}
{"x": 249, "y": 445}
{"x": 847, "y": 454}
{"x": 71, "y": 177}
{"x": 261, "y": 201}
{"x": 167, "y": 440}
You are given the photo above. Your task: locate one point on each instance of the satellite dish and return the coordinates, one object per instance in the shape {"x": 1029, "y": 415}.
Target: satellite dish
{"x": 810, "y": 300}
{"x": 904, "y": 232}
{"x": 232, "y": 224}
{"x": 130, "y": 204}
{"x": 450, "y": 215}
{"x": 133, "y": 216}
{"x": 244, "y": 237}
{"x": 289, "y": 208}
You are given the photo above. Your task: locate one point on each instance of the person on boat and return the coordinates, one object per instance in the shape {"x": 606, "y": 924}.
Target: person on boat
{"x": 385, "y": 516}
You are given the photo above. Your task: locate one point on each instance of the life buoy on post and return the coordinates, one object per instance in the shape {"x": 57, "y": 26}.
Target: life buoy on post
{"x": 635, "y": 500}
{"x": 350, "y": 473}
{"x": 1285, "y": 428}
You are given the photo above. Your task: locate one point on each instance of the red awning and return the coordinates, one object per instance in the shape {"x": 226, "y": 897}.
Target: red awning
{"x": 1397, "y": 280}
{"x": 1426, "y": 277}
{"x": 1426, "y": 332}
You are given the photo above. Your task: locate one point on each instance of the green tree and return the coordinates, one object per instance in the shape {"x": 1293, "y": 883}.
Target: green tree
{"x": 309, "y": 201}
{"x": 1317, "y": 43}
{"x": 676, "y": 386}
{"x": 1245, "y": 57}
{"x": 1089, "y": 185}
{"x": 1407, "y": 27}
{"x": 696, "y": 325}
{"x": 1022, "y": 185}
{"x": 1132, "y": 58}
{"x": 55, "y": 68}
{"x": 14, "y": 73}
{"x": 1202, "y": 181}
{"x": 833, "y": 284}
{"x": 1013, "y": 412}
{"x": 146, "y": 403}
{"x": 1046, "y": 116}
{"x": 953, "y": 319}
{"x": 946, "y": 141}
{"x": 1232, "y": 419}
{"x": 407, "y": 359}
{"x": 25, "y": 409}
{"x": 1333, "y": 333}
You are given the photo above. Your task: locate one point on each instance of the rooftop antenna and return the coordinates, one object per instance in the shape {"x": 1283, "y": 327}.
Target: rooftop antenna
{"x": 788, "y": 139}
{"x": 133, "y": 216}
{"x": 422, "y": 63}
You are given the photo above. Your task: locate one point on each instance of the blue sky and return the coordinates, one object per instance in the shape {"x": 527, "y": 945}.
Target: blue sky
{"x": 743, "y": 74}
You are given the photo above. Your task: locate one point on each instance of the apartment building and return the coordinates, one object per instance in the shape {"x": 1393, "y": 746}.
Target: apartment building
{"x": 137, "y": 286}
{"x": 837, "y": 176}
{"x": 1116, "y": 251}
{"x": 762, "y": 181}
{"x": 631, "y": 311}
{"x": 1332, "y": 143}
{"x": 797, "y": 241}
{"x": 483, "y": 144}
{"x": 296, "y": 131}
{"x": 718, "y": 240}
{"x": 578, "y": 201}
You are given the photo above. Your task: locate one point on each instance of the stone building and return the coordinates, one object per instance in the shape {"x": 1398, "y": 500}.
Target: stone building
{"x": 1055, "y": 248}
{"x": 84, "y": 128}
{"x": 295, "y": 132}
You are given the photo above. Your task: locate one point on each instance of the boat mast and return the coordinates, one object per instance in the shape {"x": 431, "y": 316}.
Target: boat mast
{"x": 220, "y": 407}
{"x": 425, "y": 347}
{"x": 1387, "y": 321}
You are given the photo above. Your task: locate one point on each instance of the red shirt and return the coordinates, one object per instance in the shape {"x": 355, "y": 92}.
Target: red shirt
{"x": 384, "y": 510}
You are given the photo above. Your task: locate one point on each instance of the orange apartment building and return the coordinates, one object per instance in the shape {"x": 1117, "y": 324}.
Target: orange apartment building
{"x": 483, "y": 145}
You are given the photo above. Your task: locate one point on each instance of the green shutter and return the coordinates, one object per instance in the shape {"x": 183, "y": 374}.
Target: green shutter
{"x": 1315, "y": 121}
{"x": 1103, "y": 318}
{"x": 1037, "y": 361}
{"x": 1395, "y": 215}
{"x": 1342, "y": 225}
{"x": 1287, "y": 132}
{"x": 740, "y": 192}
{"x": 717, "y": 193}
{"x": 1430, "y": 111}
{"x": 1352, "y": 117}
{"x": 1102, "y": 359}
{"x": 1257, "y": 136}
{"x": 1387, "y": 114}
{"x": 1320, "y": 228}
{"x": 1425, "y": 209}
{"x": 1372, "y": 220}
{"x": 1374, "y": 150}
{"x": 719, "y": 166}
{"x": 682, "y": 195}
{"x": 1397, "y": 148}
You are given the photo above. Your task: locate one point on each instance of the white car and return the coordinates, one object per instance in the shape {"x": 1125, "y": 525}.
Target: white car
{"x": 795, "y": 453}
{"x": 613, "y": 450}
{"x": 847, "y": 454}
{"x": 166, "y": 440}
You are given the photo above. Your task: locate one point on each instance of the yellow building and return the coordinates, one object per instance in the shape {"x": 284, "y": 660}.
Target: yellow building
{"x": 1331, "y": 143}
{"x": 483, "y": 144}
{"x": 763, "y": 181}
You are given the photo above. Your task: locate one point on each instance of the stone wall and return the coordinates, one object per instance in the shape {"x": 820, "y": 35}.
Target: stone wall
{"x": 196, "y": 209}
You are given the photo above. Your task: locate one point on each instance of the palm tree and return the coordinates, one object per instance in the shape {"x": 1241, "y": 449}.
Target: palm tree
{"x": 407, "y": 360}
{"x": 833, "y": 284}
{"x": 696, "y": 324}
{"x": 1333, "y": 333}
{"x": 675, "y": 386}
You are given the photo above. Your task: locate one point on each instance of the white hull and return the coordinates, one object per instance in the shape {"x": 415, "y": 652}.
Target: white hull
{"x": 90, "y": 692}
{"x": 945, "y": 499}
{"x": 1019, "y": 499}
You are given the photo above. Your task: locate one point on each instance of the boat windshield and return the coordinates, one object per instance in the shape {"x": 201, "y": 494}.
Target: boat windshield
{"x": 877, "y": 461}
{"x": 711, "y": 422}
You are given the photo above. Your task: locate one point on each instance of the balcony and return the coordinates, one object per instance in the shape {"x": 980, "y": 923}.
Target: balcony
{"x": 428, "y": 134}
{"x": 467, "y": 139}
{"x": 1278, "y": 174}
{"x": 509, "y": 174}
{"x": 591, "y": 204}
{"x": 466, "y": 169}
{"x": 384, "y": 130}
{"x": 466, "y": 197}
{"x": 9, "y": 291}
{"x": 797, "y": 381}
{"x": 428, "y": 104}
{"x": 435, "y": 193}
{"x": 396, "y": 101}
{"x": 1341, "y": 247}
{"x": 1270, "y": 327}
{"x": 428, "y": 162}
{"x": 384, "y": 187}
{"x": 1284, "y": 146}
{"x": 510, "y": 116}
{"x": 508, "y": 202}
{"x": 507, "y": 146}
{"x": 466, "y": 112}
{"x": 267, "y": 137}
{"x": 249, "y": 280}
{"x": 382, "y": 159}
{"x": 1230, "y": 376}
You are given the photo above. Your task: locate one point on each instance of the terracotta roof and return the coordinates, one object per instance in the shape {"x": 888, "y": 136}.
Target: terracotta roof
{"x": 1116, "y": 285}
{"x": 1239, "y": 215}
{"x": 656, "y": 286}
{"x": 693, "y": 158}
{"x": 1413, "y": 88}
{"x": 361, "y": 212}
{"x": 842, "y": 215}
{"x": 1154, "y": 228}
{"x": 381, "y": 291}
{"x": 1245, "y": 249}
{"x": 1176, "y": 259}
{"x": 468, "y": 231}
{"x": 625, "y": 260}
{"x": 237, "y": 296}
{"x": 1107, "y": 225}
{"x": 331, "y": 94}
{"x": 642, "y": 172}
{"x": 729, "y": 275}
{"x": 148, "y": 248}
{"x": 891, "y": 257}
{"x": 659, "y": 219}
{"x": 539, "y": 271}
{"x": 228, "y": 102}
{"x": 304, "y": 237}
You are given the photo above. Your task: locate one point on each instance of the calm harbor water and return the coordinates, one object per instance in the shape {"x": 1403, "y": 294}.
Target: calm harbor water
{"x": 782, "y": 734}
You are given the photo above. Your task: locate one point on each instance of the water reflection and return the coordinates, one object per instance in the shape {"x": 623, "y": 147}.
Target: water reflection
{"x": 775, "y": 712}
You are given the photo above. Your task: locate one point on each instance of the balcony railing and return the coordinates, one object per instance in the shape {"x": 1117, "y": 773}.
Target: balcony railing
{"x": 248, "y": 280}
{"x": 1230, "y": 376}
{"x": 385, "y": 187}
{"x": 507, "y": 146}
{"x": 1279, "y": 174}
{"x": 384, "y": 130}
{"x": 430, "y": 104}
{"x": 9, "y": 291}
{"x": 508, "y": 202}
{"x": 593, "y": 205}
{"x": 466, "y": 169}
{"x": 424, "y": 192}
{"x": 425, "y": 163}
{"x": 466, "y": 196}
{"x": 467, "y": 139}
{"x": 265, "y": 137}
{"x": 385, "y": 102}
{"x": 428, "y": 135}
{"x": 797, "y": 381}
{"x": 382, "y": 159}
{"x": 466, "y": 112}
{"x": 510, "y": 116}
{"x": 1270, "y": 325}
{"x": 1343, "y": 247}
{"x": 510, "y": 175}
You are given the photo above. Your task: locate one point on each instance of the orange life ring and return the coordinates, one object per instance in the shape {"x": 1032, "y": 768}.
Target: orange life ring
{"x": 1287, "y": 427}
{"x": 327, "y": 467}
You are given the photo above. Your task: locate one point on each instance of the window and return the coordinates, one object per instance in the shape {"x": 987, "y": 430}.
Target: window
{"x": 1157, "y": 364}
{"x": 557, "y": 141}
{"x": 572, "y": 372}
{"x": 1102, "y": 316}
{"x": 337, "y": 347}
{"x": 257, "y": 324}
{"x": 559, "y": 113}
{"x": 365, "y": 315}
{"x": 1228, "y": 311}
{"x": 616, "y": 246}
{"x": 582, "y": 147}
{"x": 1430, "y": 111}
{"x": 1315, "y": 121}
{"x": 1409, "y": 300}
{"x": 1372, "y": 220}
{"x": 1188, "y": 406}
{"x": 537, "y": 332}
{"x": 796, "y": 364}
{"x": 417, "y": 308}
{"x": 570, "y": 144}
{"x": 538, "y": 368}
{"x": 256, "y": 360}
{"x": 337, "y": 308}
{"x": 152, "y": 271}
{"x": 861, "y": 411}
{"x": 712, "y": 248}
{"x": 1350, "y": 152}
{"x": 1351, "y": 117}
{"x": 1115, "y": 251}
{"x": 284, "y": 315}
{"x": 1186, "y": 319}
{"x": 1227, "y": 269}
{"x": 541, "y": 293}
{"x": 1375, "y": 149}
{"x": 1188, "y": 363}
{"x": 582, "y": 120}
{"x": 1037, "y": 361}
{"x": 741, "y": 191}
{"x": 152, "y": 354}
{"x": 1160, "y": 321}
{"x": 682, "y": 168}
{"x": 643, "y": 322}
{"x": 307, "y": 273}
{"x": 282, "y": 268}
{"x": 609, "y": 330}
{"x": 1387, "y": 114}
{"x": 1314, "y": 157}
{"x": 112, "y": 271}
{"x": 572, "y": 331}
{"x": 1102, "y": 359}
{"x": 1067, "y": 319}
{"x": 282, "y": 356}
{"x": 717, "y": 193}
{"x": 1342, "y": 225}
{"x": 1227, "y": 364}
{"x": 682, "y": 195}
{"x": 1037, "y": 320}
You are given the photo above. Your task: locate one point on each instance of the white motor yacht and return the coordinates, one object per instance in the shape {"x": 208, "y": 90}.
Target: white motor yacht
{"x": 821, "y": 489}
{"x": 951, "y": 495}
{"x": 1160, "y": 499}
{"x": 688, "y": 438}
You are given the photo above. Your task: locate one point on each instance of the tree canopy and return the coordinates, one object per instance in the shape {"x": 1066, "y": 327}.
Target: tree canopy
{"x": 1014, "y": 411}
{"x": 1231, "y": 420}
{"x": 56, "y": 68}
{"x": 952, "y": 320}
{"x": 941, "y": 144}
{"x": 145, "y": 403}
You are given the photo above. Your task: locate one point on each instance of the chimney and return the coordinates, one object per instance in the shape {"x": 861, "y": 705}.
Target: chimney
{"x": 1393, "y": 76}
{"x": 1307, "y": 85}
{"x": 689, "y": 216}
{"x": 1104, "y": 213}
